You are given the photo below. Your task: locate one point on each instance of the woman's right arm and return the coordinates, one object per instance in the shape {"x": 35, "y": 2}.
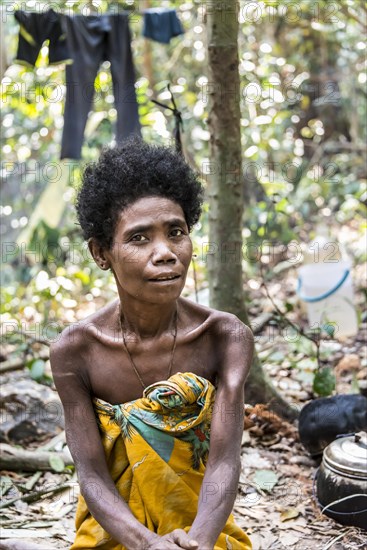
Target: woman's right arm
{"x": 84, "y": 441}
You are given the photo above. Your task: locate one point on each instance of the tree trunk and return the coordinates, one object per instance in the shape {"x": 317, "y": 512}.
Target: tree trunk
{"x": 226, "y": 186}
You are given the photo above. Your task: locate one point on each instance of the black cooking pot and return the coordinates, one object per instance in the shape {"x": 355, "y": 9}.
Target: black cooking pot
{"x": 341, "y": 484}
{"x": 324, "y": 419}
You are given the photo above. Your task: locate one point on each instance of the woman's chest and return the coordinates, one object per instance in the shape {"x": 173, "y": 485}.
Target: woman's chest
{"x": 120, "y": 375}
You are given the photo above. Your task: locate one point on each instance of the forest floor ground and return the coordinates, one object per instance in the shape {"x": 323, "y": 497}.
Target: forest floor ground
{"x": 277, "y": 512}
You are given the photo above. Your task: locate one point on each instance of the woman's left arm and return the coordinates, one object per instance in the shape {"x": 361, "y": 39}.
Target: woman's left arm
{"x": 220, "y": 483}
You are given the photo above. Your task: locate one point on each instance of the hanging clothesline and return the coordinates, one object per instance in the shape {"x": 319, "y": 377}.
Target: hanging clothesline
{"x": 112, "y": 9}
{"x": 83, "y": 43}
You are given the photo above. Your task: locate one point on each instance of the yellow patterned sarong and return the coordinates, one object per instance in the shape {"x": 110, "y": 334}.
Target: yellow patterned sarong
{"x": 156, "y": 449}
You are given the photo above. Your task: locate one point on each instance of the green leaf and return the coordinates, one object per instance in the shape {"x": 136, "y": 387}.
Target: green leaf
{"x": 324, "y": 382}
{"x": 265, "y": 479}
{"x": 83, "y": 277}
{"x": 354, "y": 387}
{"x": 303, "y": 345}
{"x": 56, "y": 463}
{"x": 289, "y": 513}
{"x": 307, "y": 364}
{"x": 329, "y": 328}
{"x": 37, "y": 369}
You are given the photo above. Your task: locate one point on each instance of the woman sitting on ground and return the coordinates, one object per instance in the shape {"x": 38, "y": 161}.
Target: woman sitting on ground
{"x": 152, "y": 384}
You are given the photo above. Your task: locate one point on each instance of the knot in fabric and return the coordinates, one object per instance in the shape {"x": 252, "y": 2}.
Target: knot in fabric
{"x": 180, "y": 390}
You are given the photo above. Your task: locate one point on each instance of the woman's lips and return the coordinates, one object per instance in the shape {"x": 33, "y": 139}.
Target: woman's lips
{"x": 167, "y": 279}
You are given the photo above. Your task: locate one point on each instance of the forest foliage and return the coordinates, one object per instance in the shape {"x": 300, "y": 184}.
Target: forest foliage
{"x": 303, "y": 110}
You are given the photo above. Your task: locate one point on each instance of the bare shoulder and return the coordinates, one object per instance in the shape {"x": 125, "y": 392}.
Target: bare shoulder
{"x": 194, "y": 312}
{"x": 229, "y": 327}
{"x": 220, "y": 324}
{"x": 235, "y": 342}
{"x": 231, "y": 339}
{"x": 74, "y": 339}
{"x": 67, "y": 347}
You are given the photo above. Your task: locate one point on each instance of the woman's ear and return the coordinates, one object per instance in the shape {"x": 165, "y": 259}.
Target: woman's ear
{"x": 99, "y": 254}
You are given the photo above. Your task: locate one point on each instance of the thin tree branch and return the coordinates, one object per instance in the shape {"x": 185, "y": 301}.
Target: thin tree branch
{"x": 315, "y": 340}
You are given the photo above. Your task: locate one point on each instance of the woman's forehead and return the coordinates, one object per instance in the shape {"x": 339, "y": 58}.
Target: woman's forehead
{"x": 151, "y": 211}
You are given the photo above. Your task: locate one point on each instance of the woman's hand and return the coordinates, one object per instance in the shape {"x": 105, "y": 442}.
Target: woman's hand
{"x": 176, "y": 540}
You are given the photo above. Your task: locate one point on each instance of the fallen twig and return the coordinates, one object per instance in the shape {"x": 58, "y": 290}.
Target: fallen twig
{"x": 32, "y": 339}
{"x": 335, "y": 539}
{"x": 18, "y": 364}
{"x": 33, "y": 497}
{"x": 258, "y": 324}
{"x": 315, "y": 339}
{"x": 11, "y": 544}
{"x": 59, "y": 438}
{"x": 15, "y": 459}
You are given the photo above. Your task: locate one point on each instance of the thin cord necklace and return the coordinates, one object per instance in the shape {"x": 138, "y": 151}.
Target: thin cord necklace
{"x": 131, "y": 359}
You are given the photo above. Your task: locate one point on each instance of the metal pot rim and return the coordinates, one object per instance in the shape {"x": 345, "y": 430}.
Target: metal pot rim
{"x": 344, "y": 470}
{"x": 347, "y": 456}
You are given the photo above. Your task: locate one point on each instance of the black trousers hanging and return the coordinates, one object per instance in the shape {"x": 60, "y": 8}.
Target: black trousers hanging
{"x": 92, "y": 40}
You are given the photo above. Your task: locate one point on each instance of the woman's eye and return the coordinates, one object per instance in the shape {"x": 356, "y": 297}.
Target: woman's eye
{"x": 138, "y": 238}
{"x": 177, "y": 232}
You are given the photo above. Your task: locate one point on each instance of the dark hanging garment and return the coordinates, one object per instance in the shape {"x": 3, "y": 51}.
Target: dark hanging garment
{"x": 91, "y": 40}
{"x": 35, "y": 28}
{"x": 161, "y": 24}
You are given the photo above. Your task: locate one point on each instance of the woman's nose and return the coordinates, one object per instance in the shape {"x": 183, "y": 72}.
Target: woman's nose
{"x": 163, "y": 254}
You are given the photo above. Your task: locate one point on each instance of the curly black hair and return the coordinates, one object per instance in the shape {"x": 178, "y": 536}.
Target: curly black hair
{"x": 131, "y": 171}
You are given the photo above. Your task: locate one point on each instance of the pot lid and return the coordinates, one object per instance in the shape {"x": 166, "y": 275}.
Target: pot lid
{"x": 348, "y": 455}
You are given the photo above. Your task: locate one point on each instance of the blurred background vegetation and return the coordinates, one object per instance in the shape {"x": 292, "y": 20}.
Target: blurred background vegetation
{"x": 303, "y": 104}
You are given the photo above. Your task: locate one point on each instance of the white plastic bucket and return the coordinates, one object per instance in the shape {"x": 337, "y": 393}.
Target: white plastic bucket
{"x": 328, "y": 292}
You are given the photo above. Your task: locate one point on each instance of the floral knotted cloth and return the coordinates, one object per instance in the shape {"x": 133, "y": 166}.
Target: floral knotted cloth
{"x": 156, "y": 449}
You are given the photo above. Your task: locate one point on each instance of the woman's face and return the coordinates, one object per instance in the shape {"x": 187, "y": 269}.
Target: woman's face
{"x": 152, "y": 250}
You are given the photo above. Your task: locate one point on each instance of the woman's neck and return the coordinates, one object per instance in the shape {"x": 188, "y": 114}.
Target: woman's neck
{"x": 147, "y": 320}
